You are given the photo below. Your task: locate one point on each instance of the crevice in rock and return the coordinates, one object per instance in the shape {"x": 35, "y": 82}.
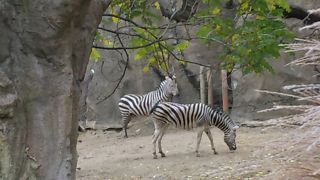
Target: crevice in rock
{"x": 302, "y": 14}
{"x": 192, "y": 78}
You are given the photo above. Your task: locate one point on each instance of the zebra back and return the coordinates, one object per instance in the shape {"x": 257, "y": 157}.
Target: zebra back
{"x": 142, "y": 104}
{"x": 188, "y": 116}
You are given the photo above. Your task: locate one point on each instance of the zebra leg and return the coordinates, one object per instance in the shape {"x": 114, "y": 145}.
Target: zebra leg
{"x": 125, "y": 120}
{"x": 208, "y": 132}
{"x": 163, "y": 130}
{"x": 199, "y": 136}
{"x": 155, "y": 138}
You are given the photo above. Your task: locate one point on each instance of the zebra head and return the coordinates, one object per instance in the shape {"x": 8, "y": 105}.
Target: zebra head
{"x": 171, "y": 86}
{"x": 230, "y": 138}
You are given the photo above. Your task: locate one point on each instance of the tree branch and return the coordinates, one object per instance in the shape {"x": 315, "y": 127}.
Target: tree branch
{"x": 122, "y": 76}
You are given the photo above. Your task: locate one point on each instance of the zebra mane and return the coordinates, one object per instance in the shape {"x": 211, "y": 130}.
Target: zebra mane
{"x": 162, "y": 84}
{"x": 217, "y": 108}
{"x": 223, "y": 115}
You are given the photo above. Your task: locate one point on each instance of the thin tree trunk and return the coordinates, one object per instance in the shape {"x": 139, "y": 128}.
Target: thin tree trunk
{"x": 203, "y": 97}
{"x": 225, "y": 99}
{"x": 45, "y": 47}
{"x": 83, "y": 101}
{"x": 210, "y": 92}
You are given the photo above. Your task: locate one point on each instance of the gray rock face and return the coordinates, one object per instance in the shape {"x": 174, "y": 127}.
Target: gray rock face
{"x": 8, "y": 97}
{"x": 309, "y": 4}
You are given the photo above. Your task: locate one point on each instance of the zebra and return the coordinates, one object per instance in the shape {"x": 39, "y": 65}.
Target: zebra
{"x": 188, "y": 116}
{"x": 132, "y": 105}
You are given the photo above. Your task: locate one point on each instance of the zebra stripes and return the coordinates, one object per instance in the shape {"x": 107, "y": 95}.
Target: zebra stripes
{"x": 132, "y": 105}
{"x": 188, "y": 116}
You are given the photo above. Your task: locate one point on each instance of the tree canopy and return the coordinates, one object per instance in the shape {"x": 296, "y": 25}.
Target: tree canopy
{"x": 250, "y": 34}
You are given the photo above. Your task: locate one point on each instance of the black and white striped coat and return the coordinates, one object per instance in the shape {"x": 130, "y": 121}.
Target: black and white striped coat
{"x": 188, "y": 116}
{"x": 132, "y": 105}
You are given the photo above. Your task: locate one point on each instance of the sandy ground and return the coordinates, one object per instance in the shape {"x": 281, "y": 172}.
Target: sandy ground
{"x": 260, "y": 153}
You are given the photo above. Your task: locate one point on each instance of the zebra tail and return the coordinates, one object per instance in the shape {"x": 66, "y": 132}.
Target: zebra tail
{"x": 154, "y": 107}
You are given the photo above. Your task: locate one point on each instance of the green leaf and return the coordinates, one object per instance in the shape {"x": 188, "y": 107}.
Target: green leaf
{"x": 203, "y": 31}
{"x": 98, "y": 36}
{"x": 137, "y": 42}
{"x": 139, "y": 30}
{"x": 182, "y": 46}
{"x": 140, "y": 54}
{"x": 283, "y": 4}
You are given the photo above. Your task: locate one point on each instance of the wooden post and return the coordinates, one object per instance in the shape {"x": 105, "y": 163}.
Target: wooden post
{"x": 224, "y": 85}
{"x": 209, "y": 80}
{"x": 202, "y": 85}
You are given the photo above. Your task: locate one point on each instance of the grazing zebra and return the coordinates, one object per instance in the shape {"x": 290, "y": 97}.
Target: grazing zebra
{"x": 132, "y": 105}
{"x": 188, "y": 116}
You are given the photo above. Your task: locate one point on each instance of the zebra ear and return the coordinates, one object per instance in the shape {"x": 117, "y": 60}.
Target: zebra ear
{"x": 235, "y": 127}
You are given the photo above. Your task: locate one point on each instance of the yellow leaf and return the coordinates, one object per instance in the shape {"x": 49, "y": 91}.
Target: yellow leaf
{"x": 260, "y": 173}
{"x": 137, "y": 57}
{"x": 244, "y": 6}
{"x": 157, "y": 5}
{"x": 259, "y": 17}
{"x": 183, "y": 62}
{"x": 152, "y": 60}
{"x": 95, "y": 55}
{"x": 107, "y": 43}
{"x": 218, "y": 28}
{"x": 215, "y": 11}
{"x": 235, "y": 38}
{"x": 114, "y": 19}
{"x": 121, "y": 5}
{"x": 146, "y": 69}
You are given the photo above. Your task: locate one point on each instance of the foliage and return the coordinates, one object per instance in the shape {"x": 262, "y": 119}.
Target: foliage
{"x": 250, "y": 39}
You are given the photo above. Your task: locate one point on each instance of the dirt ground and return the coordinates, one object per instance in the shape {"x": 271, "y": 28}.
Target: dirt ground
{"x": 263, "y": 153}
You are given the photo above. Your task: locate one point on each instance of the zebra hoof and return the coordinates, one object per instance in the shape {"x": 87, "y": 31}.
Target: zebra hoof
{"x": 215, "y": 152}
{"x": 155, "y": 156}
{"x": 162, "y": 154}
{"x": 197, "y": 154}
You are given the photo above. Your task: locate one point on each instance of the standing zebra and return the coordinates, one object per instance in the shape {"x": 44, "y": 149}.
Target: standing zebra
{"x": 132, "y": 105}
{"x": 188, "y": 116}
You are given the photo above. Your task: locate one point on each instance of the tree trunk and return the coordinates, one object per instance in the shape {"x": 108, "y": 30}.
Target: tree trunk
{"x": 44, "y": 52}
{"x": 210, "y": 91}
{"x": 224, "y": 86}
{"x": 203, "y": 97}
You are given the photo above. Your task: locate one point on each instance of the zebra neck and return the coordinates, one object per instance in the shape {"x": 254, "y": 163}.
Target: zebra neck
{"x": 220, "y": 121}
{"x": 162, "y": 94}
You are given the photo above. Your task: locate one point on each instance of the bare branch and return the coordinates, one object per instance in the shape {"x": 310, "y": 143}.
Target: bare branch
{"x": 122, "y": 76}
